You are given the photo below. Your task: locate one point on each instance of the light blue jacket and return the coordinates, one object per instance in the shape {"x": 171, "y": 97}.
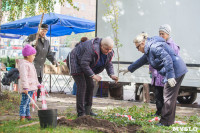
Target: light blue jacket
{"x": 162, "y": 58}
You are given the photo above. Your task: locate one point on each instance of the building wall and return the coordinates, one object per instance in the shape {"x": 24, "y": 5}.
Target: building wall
{"x": 87, "y": 10}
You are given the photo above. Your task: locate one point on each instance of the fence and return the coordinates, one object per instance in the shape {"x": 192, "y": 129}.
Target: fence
{"x": 52, "y": 83}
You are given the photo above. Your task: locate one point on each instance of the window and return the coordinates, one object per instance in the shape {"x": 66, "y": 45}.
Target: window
{"x": 82, "y": 6}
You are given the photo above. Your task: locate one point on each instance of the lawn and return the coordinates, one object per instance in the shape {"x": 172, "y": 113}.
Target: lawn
{"x": 9, "y": 104}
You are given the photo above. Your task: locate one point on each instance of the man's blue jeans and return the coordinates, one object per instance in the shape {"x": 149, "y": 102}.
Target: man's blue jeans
{"x": 25, "y": 104}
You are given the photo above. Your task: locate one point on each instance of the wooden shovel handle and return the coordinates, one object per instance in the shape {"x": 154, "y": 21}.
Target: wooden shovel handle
{"x": 39, "y": 27}
{"x": 33, "y": 101}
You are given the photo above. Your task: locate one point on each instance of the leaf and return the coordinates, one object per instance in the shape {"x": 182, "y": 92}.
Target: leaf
{"x": 16, "y": 7}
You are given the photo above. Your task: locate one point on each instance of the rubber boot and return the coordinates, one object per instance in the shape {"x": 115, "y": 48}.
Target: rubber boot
{"x": 88, "y": 111}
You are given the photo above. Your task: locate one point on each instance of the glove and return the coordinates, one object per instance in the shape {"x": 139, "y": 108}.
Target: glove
{"x": 172, "y": 82}
{"x": 124, "y": 70}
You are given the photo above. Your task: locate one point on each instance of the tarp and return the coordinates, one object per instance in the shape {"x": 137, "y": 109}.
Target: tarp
{"x": 59, "y": 25}
{"x": 10, "y": 36}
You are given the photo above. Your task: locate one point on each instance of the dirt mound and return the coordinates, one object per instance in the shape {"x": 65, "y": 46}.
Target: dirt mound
{"x": 88, "y": 122}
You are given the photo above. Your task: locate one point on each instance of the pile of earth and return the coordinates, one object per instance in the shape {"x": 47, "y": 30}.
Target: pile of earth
{"x": 88, "y": 122}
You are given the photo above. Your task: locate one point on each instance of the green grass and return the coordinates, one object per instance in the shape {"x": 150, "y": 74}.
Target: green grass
{"x": 13, "y": 127}
{"x": 9, "y": 102}
{"x": 141, "y": 115}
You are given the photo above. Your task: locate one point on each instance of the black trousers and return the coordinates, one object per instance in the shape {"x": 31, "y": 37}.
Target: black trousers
{"x": 170, "y": 98}
{"x": 38, "y": 91}
{"x": 159, "y": 99}
{"x": 84, "y": 94}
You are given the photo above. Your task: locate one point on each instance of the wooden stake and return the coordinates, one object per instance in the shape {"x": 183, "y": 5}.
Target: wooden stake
{"x": 30, "y": 124}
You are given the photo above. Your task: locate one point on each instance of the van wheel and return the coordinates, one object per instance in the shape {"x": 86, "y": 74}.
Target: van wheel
{"x": 187, "y": 99}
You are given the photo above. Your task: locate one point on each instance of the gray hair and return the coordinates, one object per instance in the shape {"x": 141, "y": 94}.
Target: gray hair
{"x": 108, "y": 42}
{"x": 140, "y": 38}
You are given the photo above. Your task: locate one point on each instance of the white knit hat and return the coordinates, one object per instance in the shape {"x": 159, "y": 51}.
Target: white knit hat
{"x": 165, "y": 28}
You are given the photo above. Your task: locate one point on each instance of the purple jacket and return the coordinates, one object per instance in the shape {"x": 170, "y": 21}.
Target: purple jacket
{"x": 86, "y": 55}
{"x": 156, "y": 77}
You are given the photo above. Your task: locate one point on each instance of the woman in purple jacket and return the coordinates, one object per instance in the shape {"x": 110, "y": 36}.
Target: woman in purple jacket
{"x": 157, "y": 79}
{"x": 85, "y": 62}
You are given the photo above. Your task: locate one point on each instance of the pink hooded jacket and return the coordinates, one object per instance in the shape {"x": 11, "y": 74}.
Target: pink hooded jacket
{"x": 28, "y": 76}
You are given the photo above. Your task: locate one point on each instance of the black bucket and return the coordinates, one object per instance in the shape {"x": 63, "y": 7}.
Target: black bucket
{"x": 48, "y": 118}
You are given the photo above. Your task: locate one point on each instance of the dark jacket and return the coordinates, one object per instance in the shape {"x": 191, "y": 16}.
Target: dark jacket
{"x": 162, "y": 58}
{"x": 43, "y": 51}
{"x": 86, "y": 55}
{"x": 11, "y": 76}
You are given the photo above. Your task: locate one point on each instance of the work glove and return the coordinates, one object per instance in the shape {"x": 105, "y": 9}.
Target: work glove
{"x": 172, "y": 82}
{"x": 124, "y": 70}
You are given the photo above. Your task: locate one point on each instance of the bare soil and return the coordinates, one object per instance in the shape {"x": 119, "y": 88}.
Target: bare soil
{"x": 88, "y": 122}
{"x": 63, "y": 102}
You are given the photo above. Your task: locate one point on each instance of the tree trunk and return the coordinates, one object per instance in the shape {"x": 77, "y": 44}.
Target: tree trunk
{"x": 0, "y": 38}
{"x": 0, "y": 12}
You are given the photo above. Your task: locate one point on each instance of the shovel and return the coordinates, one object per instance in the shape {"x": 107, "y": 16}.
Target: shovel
{"x": 33, "y": 101}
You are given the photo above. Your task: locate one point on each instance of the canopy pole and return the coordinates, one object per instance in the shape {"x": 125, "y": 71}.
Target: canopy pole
{"x": 50, "y": 47}
{"x": 50, "y": 35}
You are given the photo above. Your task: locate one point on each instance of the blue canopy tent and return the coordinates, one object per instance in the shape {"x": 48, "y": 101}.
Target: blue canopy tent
{"x": 59, "y": 25}
{"x": 10, "y": 36}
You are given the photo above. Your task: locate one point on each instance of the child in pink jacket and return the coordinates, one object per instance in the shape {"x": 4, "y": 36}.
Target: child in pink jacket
{"x": 28, "y": 79}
